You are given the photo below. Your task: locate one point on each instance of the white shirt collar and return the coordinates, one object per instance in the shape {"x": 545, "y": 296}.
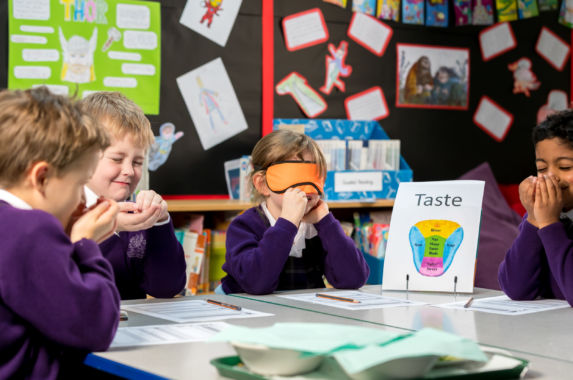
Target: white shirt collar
{"x": 13, "y": 200}
{"x": 568, "y": 214}
{"x": 91, "y": 197}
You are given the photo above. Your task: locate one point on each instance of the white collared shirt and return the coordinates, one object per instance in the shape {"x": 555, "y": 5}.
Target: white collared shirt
{"x": 13, "y": 200}
{"x": 305, "y": 231}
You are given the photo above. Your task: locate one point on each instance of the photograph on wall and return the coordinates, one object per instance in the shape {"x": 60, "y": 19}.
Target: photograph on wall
{"x": 83, "y": 47}
{"x": 432, "y": 76}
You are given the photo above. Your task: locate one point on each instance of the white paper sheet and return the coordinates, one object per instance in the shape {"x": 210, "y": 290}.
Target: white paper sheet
{"x": 304, "y": 29}
{"x": 212, "y": 103}
{"x": 214, "y": 23}
{"x": 367, "y": 105}
{"x": 496, "y": 40}
{"x": 493, "y": 119}
{"x": 369, "y": 32}
{"x": 367, "y": 300}
{"x": 165, "y": 334}
{"x": 504, "y": 305}
{"x": 552, "y": 48}
{"x": 191, "y": 311}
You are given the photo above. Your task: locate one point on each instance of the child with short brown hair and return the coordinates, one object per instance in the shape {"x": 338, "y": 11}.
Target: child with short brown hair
{"x": 57, "y": 295}
{"x": 145, "y": 254}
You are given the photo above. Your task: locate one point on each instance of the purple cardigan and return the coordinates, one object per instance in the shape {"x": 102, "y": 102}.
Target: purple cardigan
{"x": 56, "y": 298}
{"x": 256, "y": 254}
{"x": 146, "y": 262}
{"x": 539, "y": 263}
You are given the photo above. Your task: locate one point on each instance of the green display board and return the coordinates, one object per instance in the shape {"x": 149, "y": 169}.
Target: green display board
{"x": 82, "y": 46}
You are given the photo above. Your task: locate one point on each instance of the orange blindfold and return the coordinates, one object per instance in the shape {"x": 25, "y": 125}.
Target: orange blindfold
{"x": 301, "y": 174}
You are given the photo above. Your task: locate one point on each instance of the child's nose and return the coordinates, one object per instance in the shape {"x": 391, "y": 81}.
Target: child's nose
{"x": 127, "y": 169}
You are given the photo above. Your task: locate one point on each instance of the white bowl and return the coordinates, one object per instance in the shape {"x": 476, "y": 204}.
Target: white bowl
{"x": 404, "y": 368}
{"x": 268, "y": 361}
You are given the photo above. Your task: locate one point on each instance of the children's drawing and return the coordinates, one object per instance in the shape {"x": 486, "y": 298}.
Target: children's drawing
{"x": 78, "y": 55}
{"x": 524, "y": 80}
{"x": 463, "y": 12}
{"x": 437, "y": 13}
{"x": 113, "y": 35}
{"x": 295, "y": 85}
{"x": 208, "y": 100}
{"x": 482, "y": 12}
{"x": 506, "y": 10}
{"x": 413, "y": 12}
{"x": 389, "y": 10}
{"x": 161, "y": 148}
{"x": 432, "y": 77}
{"x": 212, "y": 8}
{"x": 556, "y": 101}
{"x": 434, "y": 244}
{"x": 527, "y": 8}
{"x": 364, "y": 6}
{"x": 336, "y": 68}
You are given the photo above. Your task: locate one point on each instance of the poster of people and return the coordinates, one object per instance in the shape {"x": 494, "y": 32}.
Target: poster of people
{"x": 432, "y": 77}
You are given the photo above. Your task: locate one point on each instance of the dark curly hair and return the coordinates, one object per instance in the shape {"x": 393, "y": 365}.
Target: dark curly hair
{"x": 558, "y": 125}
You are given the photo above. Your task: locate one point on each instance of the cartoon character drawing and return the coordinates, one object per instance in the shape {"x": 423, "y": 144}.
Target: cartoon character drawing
{"x": 78, "y": 56}
{"x": 524, "y": 79}
{"x": 208, "y": 99}
{"x": 434, "y": 244}
{"x": 448, "y": 89}
{"x": 556, "y": 101}
{"x": 161, "y": 148}
{"x": 419, "y": 81}
{"x": 213, "y": 8}
{"x": 335, "y": 68}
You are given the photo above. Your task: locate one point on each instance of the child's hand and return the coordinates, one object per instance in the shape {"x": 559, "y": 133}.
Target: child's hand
{"x": 316, "y": 214}
{"x": 149, "y": 198}
{"x": 548, "y": 201}
{"x": 148, "y": 209}
{"x": 294, "y": 205}
{"x": 527, "y": 197}
{"x": 98, "y": 223}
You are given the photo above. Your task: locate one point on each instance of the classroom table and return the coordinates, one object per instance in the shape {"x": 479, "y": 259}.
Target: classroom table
{"x": 544, "y": 338}
{"x": 191, "y": 360}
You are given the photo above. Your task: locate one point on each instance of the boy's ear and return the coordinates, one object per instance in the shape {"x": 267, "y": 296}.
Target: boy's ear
{"x": 39, "y": 174}
{"x": 261, "y": 184}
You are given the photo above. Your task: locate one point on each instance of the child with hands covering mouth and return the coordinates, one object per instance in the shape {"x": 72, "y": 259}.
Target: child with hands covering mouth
{"x": 291, "y": 240}
{"x": 540, "y": 261}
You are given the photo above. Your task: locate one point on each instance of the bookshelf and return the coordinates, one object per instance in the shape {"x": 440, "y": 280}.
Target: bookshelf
{"x": 207, "y": 205}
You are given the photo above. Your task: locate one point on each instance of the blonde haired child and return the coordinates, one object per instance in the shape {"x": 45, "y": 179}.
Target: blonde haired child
{"x": 145, "y": 254}
{"x": 291, "y": 239}
{"x": 57, "y": 295}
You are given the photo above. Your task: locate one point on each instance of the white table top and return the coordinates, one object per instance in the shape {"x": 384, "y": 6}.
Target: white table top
{"x": 542, "y": 338}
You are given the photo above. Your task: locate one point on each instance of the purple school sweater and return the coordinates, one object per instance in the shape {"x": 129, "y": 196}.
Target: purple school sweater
{"x": 257, "y": 254}
{"x": 56, "y": 298}
{"x": 146, "y": 262}
{"x": 539, "y": 263}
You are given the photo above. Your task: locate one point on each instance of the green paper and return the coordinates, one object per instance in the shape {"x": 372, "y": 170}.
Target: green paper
{"x": 425, "y": 342}
{"x": 82, "y": 46}
{"x": 309, "y": 338}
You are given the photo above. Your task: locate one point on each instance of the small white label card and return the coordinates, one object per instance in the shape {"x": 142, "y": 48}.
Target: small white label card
{"x": 433, "y": 236}
{"x": 304, "y": 29}
{"x": 496, "y": 40}
{"x": 551, "y": 47}
{"x": 211, "y": 19}
{"x": 494, "y": 120}
{"x": 367, "y": 105}
{"x": 370, "y": 32}
{"x": 357, "y": 181}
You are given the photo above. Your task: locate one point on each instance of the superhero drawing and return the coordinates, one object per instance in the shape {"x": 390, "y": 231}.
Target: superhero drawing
{"x": 213, "y": 7}
{"x": 161, "y": 148}
{"x": 336, "y": 68}
{"x": 524, "y": 80}
{"x": 78, "y": 56}
{"x": 208, "y": 100}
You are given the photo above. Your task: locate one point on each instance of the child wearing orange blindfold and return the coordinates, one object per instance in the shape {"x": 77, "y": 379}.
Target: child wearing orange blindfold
{"x": 291, "y": 240}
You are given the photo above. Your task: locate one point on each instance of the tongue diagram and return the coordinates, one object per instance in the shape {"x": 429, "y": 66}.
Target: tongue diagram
{"x": 434, "y": 244}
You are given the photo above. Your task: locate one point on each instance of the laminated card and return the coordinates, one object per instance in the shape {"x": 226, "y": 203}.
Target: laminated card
{"x": 433, "y": 237}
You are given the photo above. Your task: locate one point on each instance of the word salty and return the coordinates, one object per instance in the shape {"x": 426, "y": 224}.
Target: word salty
{"x": 85, "y": 10}
{"x": 446, "y": 200}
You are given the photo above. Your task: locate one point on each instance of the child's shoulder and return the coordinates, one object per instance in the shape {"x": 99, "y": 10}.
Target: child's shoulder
{"x": 16, "y": 221}
{"x": 251, "y": 217}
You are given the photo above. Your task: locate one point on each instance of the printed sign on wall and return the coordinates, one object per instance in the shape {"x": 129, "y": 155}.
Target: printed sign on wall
{"x": 87, "y": 46}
